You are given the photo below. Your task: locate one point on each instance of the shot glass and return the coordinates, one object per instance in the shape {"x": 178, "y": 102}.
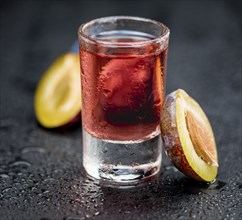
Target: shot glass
{"x": 123, "y": 73}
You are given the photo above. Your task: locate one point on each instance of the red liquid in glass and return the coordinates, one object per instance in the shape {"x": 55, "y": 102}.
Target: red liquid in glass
{"x": 122, "y": 94}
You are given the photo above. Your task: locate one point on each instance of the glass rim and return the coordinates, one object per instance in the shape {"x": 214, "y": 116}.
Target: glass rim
{"x": 89, "y": 39}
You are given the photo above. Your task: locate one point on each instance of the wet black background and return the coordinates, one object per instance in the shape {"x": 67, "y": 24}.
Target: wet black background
{"x": 41, "y": 176}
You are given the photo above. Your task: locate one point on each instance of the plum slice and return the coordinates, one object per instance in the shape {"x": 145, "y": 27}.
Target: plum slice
{"x": 188, "y": 137}
{"x": 57, "y": 100}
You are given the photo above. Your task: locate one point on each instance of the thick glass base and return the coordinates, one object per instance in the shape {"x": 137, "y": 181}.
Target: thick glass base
{"x": 121, "y": 162}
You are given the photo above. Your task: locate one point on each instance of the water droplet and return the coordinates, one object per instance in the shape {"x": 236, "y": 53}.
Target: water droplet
{"x": 33, "y": 189}
{"x": 57, "y": 171}
{"x": 3, "y": 176}
{"x": 13, "y": 198}
{"x": 79, "y": 201}
{"x": 33, "y": 149}
{"x": 6, "y": 189}
{"x": 47, "y": 180}
{"x": 20, "y": 163}
{"x": 97, "y": 213}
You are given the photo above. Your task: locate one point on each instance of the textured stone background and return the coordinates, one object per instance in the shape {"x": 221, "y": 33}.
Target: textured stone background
{"x": 41, "y": 176}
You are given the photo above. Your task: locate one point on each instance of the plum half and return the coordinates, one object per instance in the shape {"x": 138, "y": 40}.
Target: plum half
{"x": 188, "y": 137}
{"x": 57, "y": 100}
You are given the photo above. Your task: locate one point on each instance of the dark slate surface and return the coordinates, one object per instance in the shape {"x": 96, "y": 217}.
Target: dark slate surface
{"x": 41, "y": 176}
